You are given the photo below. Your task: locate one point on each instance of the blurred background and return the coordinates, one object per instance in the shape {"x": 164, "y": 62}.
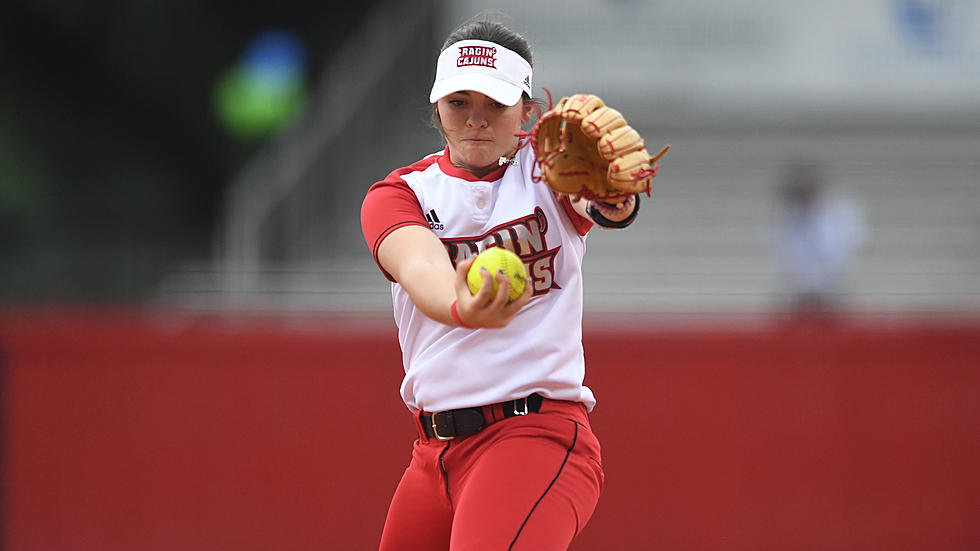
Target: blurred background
{"x": 180, "y": 186}
{"x": 211, "y": 156}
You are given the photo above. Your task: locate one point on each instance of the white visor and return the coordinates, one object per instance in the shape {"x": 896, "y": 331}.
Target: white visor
{"x": 483, "y": 67}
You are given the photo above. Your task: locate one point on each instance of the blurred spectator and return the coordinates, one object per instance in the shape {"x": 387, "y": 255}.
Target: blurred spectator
{"x": 819, "y": 229}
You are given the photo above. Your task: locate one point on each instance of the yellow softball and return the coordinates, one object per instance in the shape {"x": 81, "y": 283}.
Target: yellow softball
{"x": 494, "y": 259}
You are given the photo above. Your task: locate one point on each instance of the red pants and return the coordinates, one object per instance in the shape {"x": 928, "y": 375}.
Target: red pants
{"x": 527, "y": 482}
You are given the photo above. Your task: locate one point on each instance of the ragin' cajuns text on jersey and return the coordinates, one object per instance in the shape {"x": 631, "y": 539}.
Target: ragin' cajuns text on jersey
{"x": 540, "y": 350}
{"x": 527, "y": 237}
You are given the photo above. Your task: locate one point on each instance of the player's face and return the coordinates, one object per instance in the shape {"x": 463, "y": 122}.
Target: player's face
{"x": 479, "y": 129}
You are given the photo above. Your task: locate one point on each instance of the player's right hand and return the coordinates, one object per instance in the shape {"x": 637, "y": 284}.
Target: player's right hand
{"x": 482, "y": 309}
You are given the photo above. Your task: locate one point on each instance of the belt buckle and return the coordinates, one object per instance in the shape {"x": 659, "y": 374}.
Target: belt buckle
{"x": 435, "y": 431}
{"x": 517, "y": 411}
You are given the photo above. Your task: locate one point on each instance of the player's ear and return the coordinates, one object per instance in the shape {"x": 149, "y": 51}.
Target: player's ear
{"x": 526, "y": 116}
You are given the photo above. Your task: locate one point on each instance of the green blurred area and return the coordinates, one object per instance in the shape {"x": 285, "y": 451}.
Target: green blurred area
{"x": 113, "y": 160}
{"x": 252, "y": 110}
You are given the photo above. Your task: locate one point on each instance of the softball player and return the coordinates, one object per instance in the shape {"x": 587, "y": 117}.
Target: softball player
{"x": 505, "y": 458}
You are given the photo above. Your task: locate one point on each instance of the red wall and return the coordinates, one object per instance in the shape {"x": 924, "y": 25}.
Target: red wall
{"x": 155, "y": 431}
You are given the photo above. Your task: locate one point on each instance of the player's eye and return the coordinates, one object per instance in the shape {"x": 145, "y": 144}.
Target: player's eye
{"x": 456, "y": 102}
{"x": 498, "y": 105}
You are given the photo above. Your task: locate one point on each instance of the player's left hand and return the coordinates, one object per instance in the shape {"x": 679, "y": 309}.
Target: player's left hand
{"x": 484, "y": 309}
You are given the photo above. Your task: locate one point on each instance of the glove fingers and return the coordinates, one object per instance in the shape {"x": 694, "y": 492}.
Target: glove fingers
{"x": 602, "y": 121}
{"x": 619, "y": 142}
{"x": 579, "y": 106}
{"x": 630, "y": 173}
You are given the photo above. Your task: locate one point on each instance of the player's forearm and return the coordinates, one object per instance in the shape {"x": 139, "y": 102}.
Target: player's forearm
{"x": 431, "y": 289}
{"x": 417, "y": 260}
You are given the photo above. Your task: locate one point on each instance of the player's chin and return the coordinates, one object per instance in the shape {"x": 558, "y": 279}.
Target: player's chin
{"x": 483, "y": 162}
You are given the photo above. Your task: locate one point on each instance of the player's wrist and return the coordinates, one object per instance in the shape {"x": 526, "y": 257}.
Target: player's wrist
{"x": 454, "y": 311}
{"x": 614, "y": 215}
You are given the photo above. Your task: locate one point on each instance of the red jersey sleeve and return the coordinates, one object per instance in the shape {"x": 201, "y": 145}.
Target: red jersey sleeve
{"x": 582, "y": 225}
{"x": 390, "y": 204}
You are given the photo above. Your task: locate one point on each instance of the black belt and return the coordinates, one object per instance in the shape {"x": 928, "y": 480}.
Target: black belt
{"x": 446, "y": 425}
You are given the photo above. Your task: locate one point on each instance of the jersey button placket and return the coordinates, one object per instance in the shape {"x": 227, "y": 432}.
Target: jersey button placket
{"x": 481, "y": 200}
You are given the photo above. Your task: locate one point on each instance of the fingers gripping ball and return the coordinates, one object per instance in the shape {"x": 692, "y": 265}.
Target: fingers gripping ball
{"x": 494, "y": 259}
{"x": 586, "y": 149}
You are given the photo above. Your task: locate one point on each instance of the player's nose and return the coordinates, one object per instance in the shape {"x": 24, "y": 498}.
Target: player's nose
{"x": 476, "y": 118}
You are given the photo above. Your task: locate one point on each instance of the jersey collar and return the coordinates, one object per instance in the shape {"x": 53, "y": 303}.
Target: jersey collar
{"x": 450, "y": 169}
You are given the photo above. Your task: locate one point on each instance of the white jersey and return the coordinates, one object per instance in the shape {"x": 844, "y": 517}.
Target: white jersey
{"x": 541, "y": 349}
